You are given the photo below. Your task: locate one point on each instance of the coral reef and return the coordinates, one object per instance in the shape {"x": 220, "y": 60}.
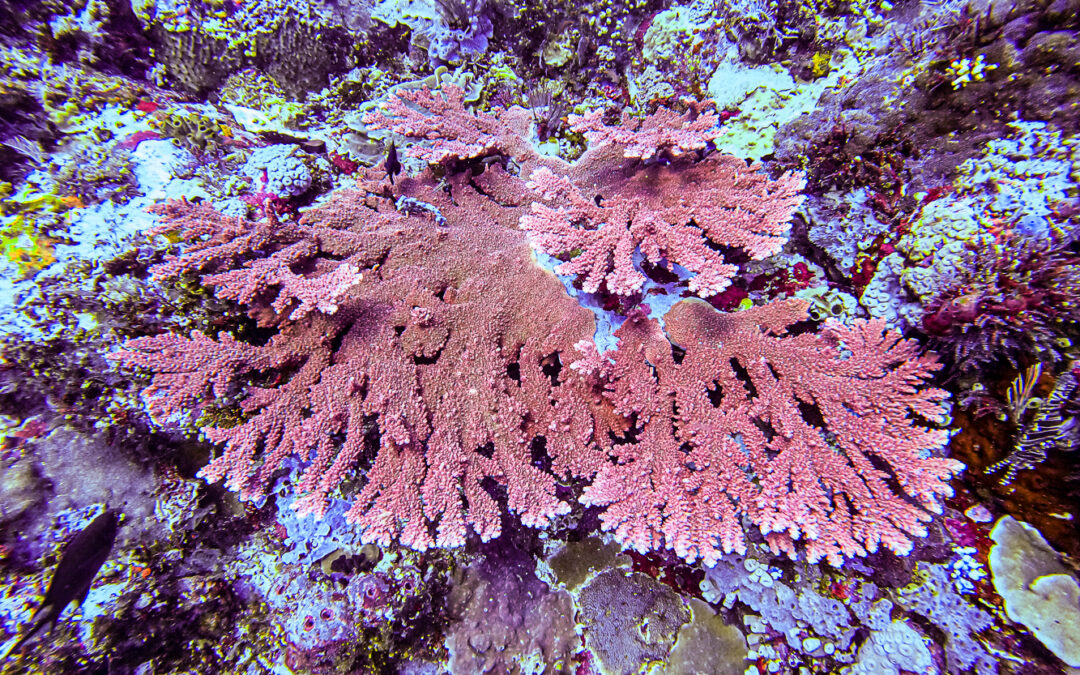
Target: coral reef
{"x": 532, "y": 337}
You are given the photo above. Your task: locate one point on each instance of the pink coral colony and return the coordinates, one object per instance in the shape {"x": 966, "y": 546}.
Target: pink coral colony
{"x": 472, "y": 362}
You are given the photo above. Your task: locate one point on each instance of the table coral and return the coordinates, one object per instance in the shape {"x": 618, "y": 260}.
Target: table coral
{"x": 446, "y": 339}
{"x": 734, "y": 429}
{"x": 435, "y": 322}
{"x": 675, "y": 216}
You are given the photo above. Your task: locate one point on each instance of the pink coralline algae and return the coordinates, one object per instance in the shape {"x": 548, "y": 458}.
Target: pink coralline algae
{"x": 792, "y": 432}
{"x": 672, "y": 214}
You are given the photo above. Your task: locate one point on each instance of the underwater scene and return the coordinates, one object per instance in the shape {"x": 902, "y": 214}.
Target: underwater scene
{"x": 522, "y": 337}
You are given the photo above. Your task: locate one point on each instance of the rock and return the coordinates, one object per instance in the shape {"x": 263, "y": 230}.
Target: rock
{"x": 707, "y": 644}
{"x": 21, "y": 489}
{"x": 1038, "y": 590}
{"x": 1006, "y": 55}
{"x": 1062, "y": 12}
{"x": 1019, "y": 30}
{"x": 1051, "y": 96}
{"x": 1057, "y": 47}
{"x": 1000, "y": 12}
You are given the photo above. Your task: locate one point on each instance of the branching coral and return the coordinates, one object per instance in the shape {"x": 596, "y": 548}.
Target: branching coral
{"x": 445, "y": 341}
{"x": 673, "y": 216}
{"x": 735, "y": 429}
{"x": 425, "y": 316}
